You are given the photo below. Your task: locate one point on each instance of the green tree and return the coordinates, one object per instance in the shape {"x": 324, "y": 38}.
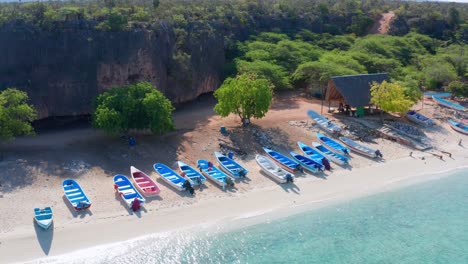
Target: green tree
{"x": 390, "y": 97}
{"x": 458, "y": 88}
{"x": 16, "y": 114}
{"x": 246, "y": 96}
{"x": 136, "y": 106}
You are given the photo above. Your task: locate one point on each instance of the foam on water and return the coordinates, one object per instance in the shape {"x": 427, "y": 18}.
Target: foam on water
{"x": 422, "y": 223}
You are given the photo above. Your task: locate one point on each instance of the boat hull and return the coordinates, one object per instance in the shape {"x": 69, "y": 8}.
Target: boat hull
{"x": 144, "y": 183}
{"x": 126, "y": 190}
{"x": 75, "y": 195}
{"x": 448, "y": 104}
{"x": 272, "y": 170}
{"x": 302, "y": 159}
{"x": 235, "y": 169}
{"x": 454, "y": 126}
{"x": 324, "y": 123}
{"x": 43, "y": 217}
{"x": 333, "y": 145}
{"x": 330, "y": 154}
{"x": 170, "y": 176}
{"x": 422, "y": 120}
{"x": 195, "y": 177}
{"x": 214, "y": 174}
{"x": 365, "y": 151}
{"x": 274, "y": 156}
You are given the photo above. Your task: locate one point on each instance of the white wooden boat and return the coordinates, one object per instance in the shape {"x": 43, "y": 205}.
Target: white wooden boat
{"x": 360, "y": 148}
{"x": 324, "y": 123}
{"x": 418, "y": 118}
{"x": 273, "y": 170}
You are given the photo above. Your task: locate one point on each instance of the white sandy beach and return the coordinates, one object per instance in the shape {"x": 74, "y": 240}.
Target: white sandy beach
{"x": 93, "y": 159}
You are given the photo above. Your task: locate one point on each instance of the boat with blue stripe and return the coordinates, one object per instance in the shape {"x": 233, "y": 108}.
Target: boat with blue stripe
{"x": 335, "y": 146}
{"x": 335, "y": 157}
{"x": 215, "y": 174}
{"x": 287, "y": 163}
{"x": 170, "y": 176}
{"x": 75, "y": 195}
{"x": 307, "y": 163}
{"x": 448, "y": 104}
{"x": 127, "y": 191}
{"x": 312, "y": 153}
{"x": 195, "y": 177}
{"x": 230, "y": 166}
{"x": 458, "y": 126}
{"x": 43, "y": 217}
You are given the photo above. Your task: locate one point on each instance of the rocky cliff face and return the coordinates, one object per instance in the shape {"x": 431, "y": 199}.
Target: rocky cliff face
{"x": 63, "y": 71}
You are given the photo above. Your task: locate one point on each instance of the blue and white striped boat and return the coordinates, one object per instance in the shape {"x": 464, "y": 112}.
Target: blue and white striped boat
{"x": 170, "y": 176}
{"x": 335, "y": 157}
{"x": 195, "y": 177}
{"x": 458, "y": 126}
{"x": 43, "y": 217}
{"x": 127, "y": 191}
{"x": 312, "y": 153}
{"x": 215, "y": 174}
{"x": 307, "y": 163}
{"x": 335, "y": 146}
{"x": 75, "y": 195}
{"x": 230, "y": 166}
{"x": 448, "y": 104}
{"x": 287, "y": 163}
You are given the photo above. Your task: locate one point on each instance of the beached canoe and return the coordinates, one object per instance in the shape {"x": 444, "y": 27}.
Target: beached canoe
{"x": 418, "y": 118}
{"x": 458, "y": 126}
{"x": 194, "y": 176}
{"x": 448, "y": 104}
{"x": 332, "y": 144}
{"x": 285, "y": 162}
{"x": 128, "y": 192}
{"x": 306, "y": 163}
{"x": 215, "y": 174}
{"x": 358, "y": 148}
{"x": 273, "y": 170}
{"x": 43, "y": 217}
{"x": 335, "y": 157}
{"x": 170, "y": 176}
{"x": 324, "y": 123}
{"x": 75, "y": 195}
{"x": 144, "y": 183}
{"x": 229, "y": 166}
{"x": 313, "y": 154}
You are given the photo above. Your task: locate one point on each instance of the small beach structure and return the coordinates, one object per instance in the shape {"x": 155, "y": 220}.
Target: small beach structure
{"x": 418, "y": 118}
{"x": 448, "y": 104}
{"x": 75, "y": 195}
{"x": 335, "y": 157}
{"x": 358, "y": 148}
{"x": 195, "y": 177}
{"x": 128, "y": 192}
{"x": 353, "y": 90}
{"x": 43, "y": 217}
{"x": 144, "y": 183}
{"x": 215, "y": 174}
{"x": 273, "y": 170}
{"x": 332, "y": 144}
{"x": 170, "y": 176}
{"x": 458, "y": 126}
{"x": 285, "y": 162}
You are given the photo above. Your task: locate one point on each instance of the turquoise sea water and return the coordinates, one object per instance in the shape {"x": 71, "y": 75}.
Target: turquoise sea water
{"x": 423, "y": 223}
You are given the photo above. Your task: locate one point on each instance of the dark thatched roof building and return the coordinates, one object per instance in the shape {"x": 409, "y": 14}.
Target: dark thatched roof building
{"x": 353, "y": 89}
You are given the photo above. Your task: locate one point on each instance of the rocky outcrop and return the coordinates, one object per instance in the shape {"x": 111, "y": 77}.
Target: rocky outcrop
{"x": 64, "y": 70}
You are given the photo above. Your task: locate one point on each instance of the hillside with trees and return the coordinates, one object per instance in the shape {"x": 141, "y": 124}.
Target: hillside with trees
{"x": 78, "y": 49}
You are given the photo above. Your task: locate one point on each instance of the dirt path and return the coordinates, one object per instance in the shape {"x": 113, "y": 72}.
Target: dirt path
{"x": 383, "y": 25}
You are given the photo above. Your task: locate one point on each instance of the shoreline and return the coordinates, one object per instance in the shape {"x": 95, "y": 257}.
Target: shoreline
{"x": 231, "y": 213}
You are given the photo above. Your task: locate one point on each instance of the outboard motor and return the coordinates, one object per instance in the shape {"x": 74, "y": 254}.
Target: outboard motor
{"x": 242, "y": 173}
{"x": 378, "y": 153}
{"x": 289, "y": 178}
{"x": 346, "y": 151}
{"x": 326, "y": 163}
{"x": 299, "y": 168}
{"x": 136, "y": 204}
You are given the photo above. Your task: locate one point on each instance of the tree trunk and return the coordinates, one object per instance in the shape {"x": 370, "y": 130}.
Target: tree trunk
{"x": 245, "y": 122}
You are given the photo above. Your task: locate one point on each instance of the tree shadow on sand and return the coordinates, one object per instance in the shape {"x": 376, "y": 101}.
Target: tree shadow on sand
{"x": 44, "y": 237}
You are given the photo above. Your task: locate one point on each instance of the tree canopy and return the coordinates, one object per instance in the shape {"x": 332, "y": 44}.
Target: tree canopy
{"x": 16, "y": 114}
{"x": 458, "y": 88}
{"x": 137, "y": 106}
{"x": 246, "y": 96}
{"x": 390, "y": 97}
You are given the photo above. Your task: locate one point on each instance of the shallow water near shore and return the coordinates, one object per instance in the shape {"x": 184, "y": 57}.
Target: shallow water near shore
{"x": 421, "y": 223}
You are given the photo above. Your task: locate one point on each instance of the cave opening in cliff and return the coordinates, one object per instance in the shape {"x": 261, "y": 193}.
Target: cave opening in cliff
{"x": 62, "y": 123}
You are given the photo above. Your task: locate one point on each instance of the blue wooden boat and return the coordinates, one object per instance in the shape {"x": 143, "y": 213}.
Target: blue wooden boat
{"x": 170, "y": 176}
{"x": 195, "y": 177}
{"x": 287, "y": 163}
{"x": 324, "y": 123}
{"x": 459, "y": 127}
{"x": 335, "y": 146}
{"x": 127, "y": 191}
{"x": 75, "y": 195}
{"x": 230, "y": 166}
{"x": 335, "y": 157}
{"x": 448, "y": 104}
{"x": 215, "y": 174}
{"x": 306, "y": 163}
{"x": 43, "y": 217}
{"x": 312, "y": 153}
